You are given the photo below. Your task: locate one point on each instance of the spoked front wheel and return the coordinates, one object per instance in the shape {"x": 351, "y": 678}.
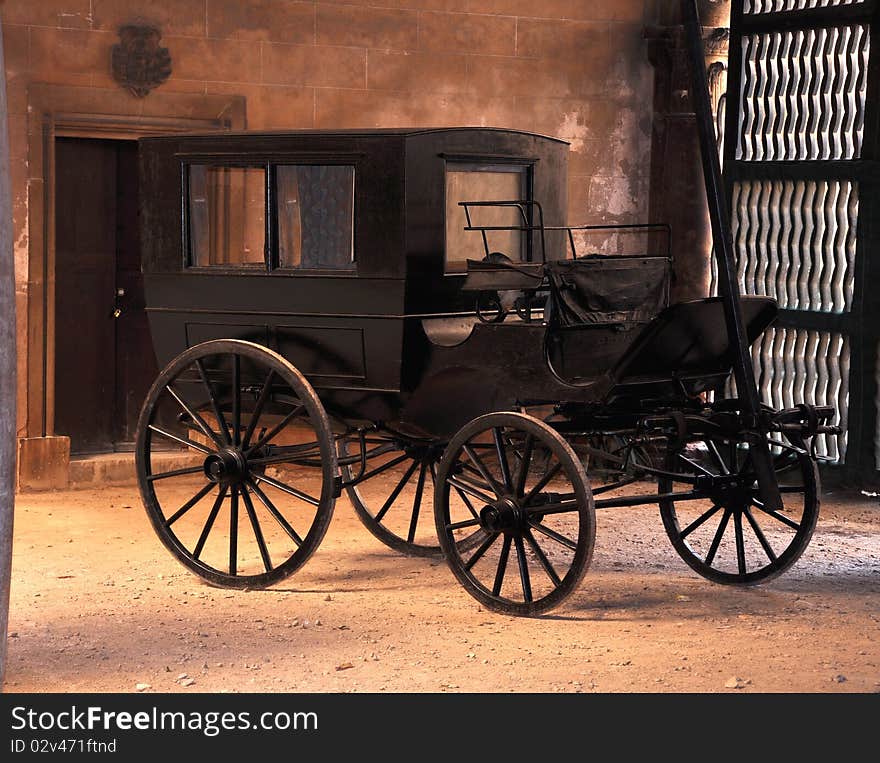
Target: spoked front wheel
{"x": 515, "y": 480}
{"x": 258, "y": 499}
{"x": 719, "y": 525}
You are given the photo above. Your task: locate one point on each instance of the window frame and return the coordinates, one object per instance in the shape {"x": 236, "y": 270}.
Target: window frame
{"x": 189, "y": 259}
{"x": 275, "y": 249}
{"x": 271, "y": 254}
{"x": 523, "y": 165}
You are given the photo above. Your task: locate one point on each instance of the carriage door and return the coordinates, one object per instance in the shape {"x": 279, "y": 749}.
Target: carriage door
{"x": 104, "y": 361}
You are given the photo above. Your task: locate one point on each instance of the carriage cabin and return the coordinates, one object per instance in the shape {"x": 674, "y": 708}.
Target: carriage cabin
{"x": 347, "y": 252}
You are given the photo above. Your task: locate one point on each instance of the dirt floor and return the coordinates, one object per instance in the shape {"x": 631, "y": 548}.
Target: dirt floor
{"x": 99, "y": 605}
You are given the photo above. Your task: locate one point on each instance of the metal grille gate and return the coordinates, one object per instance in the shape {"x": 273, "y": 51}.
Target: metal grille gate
{"x": 800, "y": 126}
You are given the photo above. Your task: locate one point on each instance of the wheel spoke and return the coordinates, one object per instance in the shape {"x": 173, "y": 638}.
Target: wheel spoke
{"x": 379, "y": 469}
{"x": 466, "y": 467}
{"x": 279, "y": 518}
{"x": 484, "y": 547}
{"x": 719, "y": 534}
{"x": 476, "y": 484}
{"x": 236, "y": 399}
{"x": 464, "y": 523}
{"x": 699, "y": 521}
{"x": 417, "y": 504}
{"x": 221, "y": 420}
{"x": 396, "y": 492}
{"x": 524, "y": 465}
{"x": 274, "y": 431}
{"x": 542, "y": 557}
{"x": 233, "y": 532}
{"x": 465, "y": 487}
{"x": 258, "y": 409}
{"x": 467, "y": 502}
{"x": 278, "y": 485}
{"x": 524, "y": 578}
{"x": 209, "y": 523}
{"x": 759, "y": 534}
{"x": 776, "y": 515}
{"x": 484, "y": 471}
{"x": 199, "y": 421}
{"x": 713, "y": 449}
{"x": 258, "y": 532}
{"x": 189, "y": 504}
{"x": 740, "y": 543}
{"x": 502, "y": 458}
{"x": 182, "y": 440}
{"x": 542, "y": 483}
{"x": 695, "y": 465}
{"x": 502, "y": 566}
{"x": 558, "y": 537}
{"x": 176, "y": 473}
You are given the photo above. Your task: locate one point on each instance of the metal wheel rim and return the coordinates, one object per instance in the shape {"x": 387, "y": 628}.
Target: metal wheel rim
{"x": 744, "y": 535}
{"x": 251, "y": 500}
{"x": 514, "y": 542}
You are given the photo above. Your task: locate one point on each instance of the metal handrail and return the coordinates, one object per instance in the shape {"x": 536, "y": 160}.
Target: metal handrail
{"x": 522, "y": 205}
{"x": 623, "y": 227}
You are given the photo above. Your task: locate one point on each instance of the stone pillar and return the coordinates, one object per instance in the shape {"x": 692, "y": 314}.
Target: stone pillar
{"x": 7, "y": 370}
{"x": 678, "y": 194}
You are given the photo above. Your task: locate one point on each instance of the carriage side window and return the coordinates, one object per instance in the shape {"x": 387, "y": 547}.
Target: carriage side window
{"x": 315, "y": 206}
{"x": 227, "y": 216}
{"x": 483, "y": 182}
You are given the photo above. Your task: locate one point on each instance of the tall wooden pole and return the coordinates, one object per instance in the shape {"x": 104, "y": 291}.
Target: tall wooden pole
{"x": 7, "y": 370}
{"x": 728, "y": 285}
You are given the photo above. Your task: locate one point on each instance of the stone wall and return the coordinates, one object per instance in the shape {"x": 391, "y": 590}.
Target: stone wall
{"x": 576, "y": 69}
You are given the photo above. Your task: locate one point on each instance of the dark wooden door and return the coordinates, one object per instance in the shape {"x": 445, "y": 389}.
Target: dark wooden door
{"x": 104, "y": 361}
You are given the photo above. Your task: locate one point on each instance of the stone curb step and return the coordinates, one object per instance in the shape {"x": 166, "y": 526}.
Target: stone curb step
{"x": 119, "y": 468}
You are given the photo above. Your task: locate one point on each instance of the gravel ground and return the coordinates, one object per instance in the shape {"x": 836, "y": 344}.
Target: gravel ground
{"x": 99, "y": 605}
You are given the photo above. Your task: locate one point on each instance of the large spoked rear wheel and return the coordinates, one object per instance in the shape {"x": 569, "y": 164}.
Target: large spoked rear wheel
{"x": 400, "y": 485}
{"x": 253, "y": 502}
{"x": 515, "y": 480}
{"x": 722, "y": 529}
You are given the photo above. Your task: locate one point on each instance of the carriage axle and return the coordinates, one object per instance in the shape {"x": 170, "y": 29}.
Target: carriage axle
{"x": 226, "y": 467}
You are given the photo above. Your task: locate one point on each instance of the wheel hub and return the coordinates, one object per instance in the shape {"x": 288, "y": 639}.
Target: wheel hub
{"x": 732, "y": 493}
{"x": 423, "y": 454}
{"x": 226, "y": 467}
{"x": 504, "y": 515}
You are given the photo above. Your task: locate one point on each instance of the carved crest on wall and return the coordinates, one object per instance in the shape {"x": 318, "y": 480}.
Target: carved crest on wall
{"x": 139, "y": 63}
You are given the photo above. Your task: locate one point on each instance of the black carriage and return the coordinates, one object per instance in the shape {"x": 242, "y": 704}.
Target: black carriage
{"x": 406, "y": 309}
{"x": 344, "y": 254}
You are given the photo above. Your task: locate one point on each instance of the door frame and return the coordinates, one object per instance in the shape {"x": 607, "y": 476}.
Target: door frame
{"x": 64, "y": 111}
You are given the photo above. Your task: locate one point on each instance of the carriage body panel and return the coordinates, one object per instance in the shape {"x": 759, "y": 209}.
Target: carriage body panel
{"x": 355, "y": 331}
